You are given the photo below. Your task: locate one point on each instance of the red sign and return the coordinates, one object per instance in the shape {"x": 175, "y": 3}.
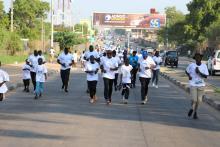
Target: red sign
{"x": 138, "y": 21}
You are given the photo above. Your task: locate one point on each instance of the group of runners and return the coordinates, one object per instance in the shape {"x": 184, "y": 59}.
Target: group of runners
{"x": 116, "y": 70}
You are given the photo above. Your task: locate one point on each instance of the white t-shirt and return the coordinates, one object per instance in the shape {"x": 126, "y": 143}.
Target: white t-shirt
{"x": 197, "y": 80}
{"x": 3, "y": 77}
{"x": 126, "y": 73}
{"x": 26, "y": 72}
{"x": 41, "y": 70}
{"x": 146, "y": 63}
{"x": 94, "y": 53}
{"x": 157, "y": 60}
{"x": 118, "y": 61}
{"x": 65, "y": 59}
{"x": 75, "y": 57}
{"x": 42, "y": 57}
{"x": 33, "y": 60}
{"x": 92, "y": 67}
{"x": 108, "y": 64}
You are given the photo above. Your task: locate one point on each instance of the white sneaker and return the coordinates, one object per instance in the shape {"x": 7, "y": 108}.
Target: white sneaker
{"x": 145, "y": 101}
{"x": 153, "y": 85}
{"x": 156, "y": 86}
{"x": 91, "y": 101}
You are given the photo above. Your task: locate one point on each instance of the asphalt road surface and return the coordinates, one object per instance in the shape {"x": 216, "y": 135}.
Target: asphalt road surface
{"x": 68, "y": 120}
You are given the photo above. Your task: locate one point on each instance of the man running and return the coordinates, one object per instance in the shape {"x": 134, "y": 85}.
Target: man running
{"x": 146, "y": 64}
{"x": 118, "y": 61}
{"x": 196, "y": 72}
{"x": 92, "y": 68}
{"x": 108, "y": 68}
{"x": 133, "y": 60}
{"x": 158, "y": 61}
{"x": 33, "y": 61}
{"x": 92, "y": 52}
{"x": 66, "y": 60}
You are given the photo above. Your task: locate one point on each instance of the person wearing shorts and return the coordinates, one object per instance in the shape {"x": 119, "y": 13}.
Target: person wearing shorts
{"x": 196, "y": 72}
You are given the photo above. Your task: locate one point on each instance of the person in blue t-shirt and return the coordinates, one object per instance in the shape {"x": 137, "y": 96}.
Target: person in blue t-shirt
{"x": 133, "y": 60}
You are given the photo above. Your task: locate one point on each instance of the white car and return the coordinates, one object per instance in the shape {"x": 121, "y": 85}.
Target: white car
{"x": 214, "y": 63}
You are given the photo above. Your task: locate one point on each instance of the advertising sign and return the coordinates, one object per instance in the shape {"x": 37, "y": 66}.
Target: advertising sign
{"x": 135, "y": 21}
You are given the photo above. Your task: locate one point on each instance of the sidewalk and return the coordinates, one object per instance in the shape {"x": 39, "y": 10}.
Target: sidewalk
{"x": 178, "y": 77}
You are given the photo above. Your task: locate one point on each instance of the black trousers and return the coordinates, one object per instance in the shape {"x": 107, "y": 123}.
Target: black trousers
{"x": 133, "y": 76}
{"x": 1, "y": 96}
{"x": 144, "y": 87}
{"x": 116, "y": 80}
{"x": 65, "y": 75}
{"x": 155, "y": 78}
{"x": 108, "y": 83}
{"x": 92, "y": 88}
{"x": 33, "y": 79}
{"x": 125, "y": 90}
{"x": 26, "y": 83}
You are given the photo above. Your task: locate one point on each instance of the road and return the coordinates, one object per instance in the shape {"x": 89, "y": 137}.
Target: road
{"x": 214, "y": 80}
{"x": 68, "y": 120}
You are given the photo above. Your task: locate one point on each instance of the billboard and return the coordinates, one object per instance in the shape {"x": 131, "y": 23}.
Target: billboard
{"x": 134, "y": 21}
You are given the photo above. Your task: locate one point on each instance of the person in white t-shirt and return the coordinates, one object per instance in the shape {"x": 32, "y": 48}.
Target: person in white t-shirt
{"x": 40, "y": 55}
{"x": 125, "y": 73}
{"x": 66, "y": 60}
{"x": 158, "y": 61}
{"x": 146, "y": 64}
{"x": 196, "y": 72}
{"x": 82, "y": 60}
{"x": 92, "y": 52}
{"x": 26, "y": 76}
{"x": 41, "y": 77}
{"x": 52, "y": 54}
{"x": 75, "y": 57}
{"x": 108, "y": 68}
{"x": 117, "y": 59}
{"x": 33, "y": 61}
{"x": 92, "y": 68}
{"x": 4, "y": 78}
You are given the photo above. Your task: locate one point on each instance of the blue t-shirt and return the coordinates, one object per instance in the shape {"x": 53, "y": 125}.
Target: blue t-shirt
{"x": 133, "y": 60}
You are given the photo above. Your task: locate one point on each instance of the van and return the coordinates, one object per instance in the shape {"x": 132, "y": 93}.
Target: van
{"x": 214, "y": 63}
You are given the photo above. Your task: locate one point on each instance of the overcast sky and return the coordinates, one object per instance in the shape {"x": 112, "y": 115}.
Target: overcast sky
{"x": 83, "y": 8}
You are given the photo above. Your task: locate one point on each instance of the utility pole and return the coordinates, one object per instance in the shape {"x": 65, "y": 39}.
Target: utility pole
{"x": 63, "y": 13}
{"x": 52, "y": 11}
{"x": 12, "y": 15}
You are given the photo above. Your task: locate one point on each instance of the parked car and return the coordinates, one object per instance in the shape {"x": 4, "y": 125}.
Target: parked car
{"x": 214, "y": 63}
{"x": 171, "y": 58}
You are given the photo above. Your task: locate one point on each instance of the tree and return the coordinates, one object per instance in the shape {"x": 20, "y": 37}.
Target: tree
{"x": 203, "y": 13}
{"x": 83, "y": 28}
{"x": 174, "y": 31}
{"x": 3, "y": 17}
{"x": 27, "y": 17}
{"x": 68, "y": 39}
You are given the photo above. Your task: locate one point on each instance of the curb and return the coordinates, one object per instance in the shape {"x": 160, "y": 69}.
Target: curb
{"x": 12, "y": 86}
{"x": 185, "y": 87}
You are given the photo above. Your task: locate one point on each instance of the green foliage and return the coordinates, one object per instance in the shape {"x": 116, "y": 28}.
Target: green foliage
{"x": 11, "y": 42}
{"x": 68, "y": 39}
{"x": 83, "y": 28}
{"x": 3, "y": 17}
{"x": 175, "y": 27}
{"x": 27, "y": 17}
{"x": 203, "y": 13}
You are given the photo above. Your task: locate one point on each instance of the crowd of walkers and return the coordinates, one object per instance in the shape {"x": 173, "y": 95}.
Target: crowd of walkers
{"x": 118, "y": 69}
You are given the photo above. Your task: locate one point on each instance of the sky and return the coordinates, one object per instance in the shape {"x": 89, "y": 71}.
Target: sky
{"x": 82, "y": 9}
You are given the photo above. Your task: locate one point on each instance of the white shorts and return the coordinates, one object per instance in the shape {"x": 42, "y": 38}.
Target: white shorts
{"x": 197, "y": 93}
